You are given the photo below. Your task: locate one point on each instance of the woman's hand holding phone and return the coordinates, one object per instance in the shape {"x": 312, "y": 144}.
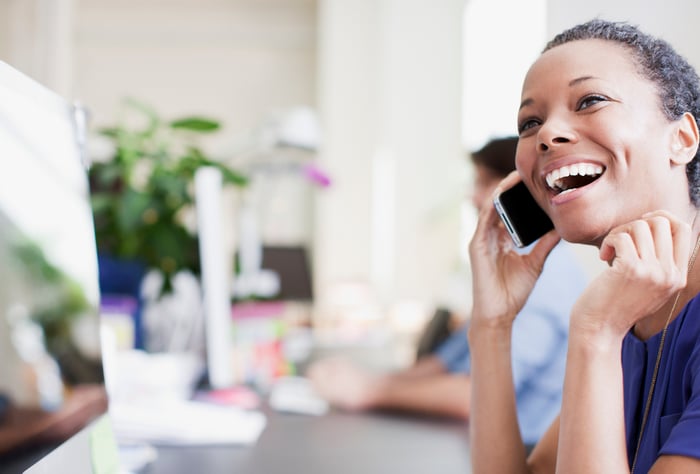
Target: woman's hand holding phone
{"x": 503, "y": 278}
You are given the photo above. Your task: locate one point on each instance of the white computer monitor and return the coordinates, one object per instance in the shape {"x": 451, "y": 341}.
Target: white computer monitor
{"x": 51, "y": 377}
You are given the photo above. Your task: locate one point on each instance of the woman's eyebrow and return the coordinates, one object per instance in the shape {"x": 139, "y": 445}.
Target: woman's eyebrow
{"x": 572, "y": 83}
{"x": 579, "y": 80}
{"x": 525, "y": 103}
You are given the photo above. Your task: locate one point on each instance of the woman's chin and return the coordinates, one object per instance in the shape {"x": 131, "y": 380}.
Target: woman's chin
{"x": 578, "y": 235}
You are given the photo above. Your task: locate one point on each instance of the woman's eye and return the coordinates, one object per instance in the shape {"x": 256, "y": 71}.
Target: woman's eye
{"x": 527, "y": 124}
{"x": 589, "y": 101}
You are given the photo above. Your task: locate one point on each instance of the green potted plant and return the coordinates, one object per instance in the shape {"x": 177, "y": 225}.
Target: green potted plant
{"x": 142, "y": 194}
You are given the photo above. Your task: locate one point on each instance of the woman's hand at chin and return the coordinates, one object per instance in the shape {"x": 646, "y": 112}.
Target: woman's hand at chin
{"x": 503, "y": 278}
{"x": 648, "y": 265}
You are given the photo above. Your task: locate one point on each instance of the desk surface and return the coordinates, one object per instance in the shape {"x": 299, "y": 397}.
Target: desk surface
{"x": 335, "y": 443}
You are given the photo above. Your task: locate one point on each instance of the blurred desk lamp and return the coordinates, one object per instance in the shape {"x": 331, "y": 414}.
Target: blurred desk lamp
{"x": 296, "y": 129}
{"x": 299, "y": 128}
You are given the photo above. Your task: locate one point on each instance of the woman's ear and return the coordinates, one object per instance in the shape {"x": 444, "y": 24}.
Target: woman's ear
{"x": 685, "y": 140}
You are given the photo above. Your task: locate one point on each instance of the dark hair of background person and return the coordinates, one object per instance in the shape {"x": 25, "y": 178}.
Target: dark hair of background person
{"x": 498, "y": 155}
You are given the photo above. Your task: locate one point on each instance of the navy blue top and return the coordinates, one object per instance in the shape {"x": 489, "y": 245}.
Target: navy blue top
{"x": 673, "y": 426}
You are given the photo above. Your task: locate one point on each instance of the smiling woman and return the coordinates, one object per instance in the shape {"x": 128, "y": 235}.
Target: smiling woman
{"x": 608, "y": 147}
{"x": 601, "y": 91}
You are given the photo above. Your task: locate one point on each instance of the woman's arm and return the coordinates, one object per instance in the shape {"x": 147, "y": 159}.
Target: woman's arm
{"x": 496, "y": 444}
{"x": 503, "y": 279}
{"x": 592, "y": 429}
{"x": 543, "y": 459}
{"x": 426, "y": 387}
{"x": 648, "y": 263}
{"x": 675, "y": 464}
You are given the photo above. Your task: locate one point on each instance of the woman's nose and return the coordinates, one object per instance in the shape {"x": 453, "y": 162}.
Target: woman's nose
{"x": 546, "y": 145}
{"x": 553, "y": 133}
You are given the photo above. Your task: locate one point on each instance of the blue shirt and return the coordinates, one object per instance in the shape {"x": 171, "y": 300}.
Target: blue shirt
{"x": 540, "y": 335}
{"x": 673, "y": 424}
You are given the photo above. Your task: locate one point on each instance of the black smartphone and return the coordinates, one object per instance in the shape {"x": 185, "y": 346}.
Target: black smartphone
{"x": 522, "y": 216}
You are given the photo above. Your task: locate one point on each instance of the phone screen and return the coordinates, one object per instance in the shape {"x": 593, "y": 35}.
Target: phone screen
{"x": 522, "y": 216}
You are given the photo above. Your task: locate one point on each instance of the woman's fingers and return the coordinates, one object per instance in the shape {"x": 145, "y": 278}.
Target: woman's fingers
{"x": 664, "y": 247}
{"x": 488, "y": 215}
{"x": 490, "y": 232}
{"x": 657, "y": 245}
{"x": 617, "y": 247}
{"x": 509, "y": 181}
{"x": 645, "y": 240}
{"x": 680, "y": 235}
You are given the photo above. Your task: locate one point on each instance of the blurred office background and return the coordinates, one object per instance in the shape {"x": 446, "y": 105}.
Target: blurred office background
{"x": 383, "y": 97}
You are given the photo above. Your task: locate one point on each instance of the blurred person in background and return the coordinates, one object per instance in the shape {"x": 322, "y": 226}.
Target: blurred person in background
{"x": 439, "y": 382}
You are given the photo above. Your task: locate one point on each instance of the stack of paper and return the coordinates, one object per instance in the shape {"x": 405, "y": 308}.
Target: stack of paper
{"x": 296, "y": 395}
{"x": 176, "y": 422}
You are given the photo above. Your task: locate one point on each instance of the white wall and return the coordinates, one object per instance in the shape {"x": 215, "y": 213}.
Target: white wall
{"x": 236, "y": 60}
{"x": 390, "y": 104}
{"x": 4, "y": 30}
{"x": 674, "y": 20}
{"x": 242, "y": 62}
{"x": 36, "y": 39}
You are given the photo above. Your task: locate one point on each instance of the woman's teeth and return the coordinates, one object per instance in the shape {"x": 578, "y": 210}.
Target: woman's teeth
{"x": 573, "y": 176}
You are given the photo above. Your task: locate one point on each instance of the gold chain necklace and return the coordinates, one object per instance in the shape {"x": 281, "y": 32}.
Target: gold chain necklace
{"x": 658, "y": 358}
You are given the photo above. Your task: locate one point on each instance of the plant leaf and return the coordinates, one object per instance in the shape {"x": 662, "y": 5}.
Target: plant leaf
{"x": 195, "y": 124}
{"x": 133, "y": 206}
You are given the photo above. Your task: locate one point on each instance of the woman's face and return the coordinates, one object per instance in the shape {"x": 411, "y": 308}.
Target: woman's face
{"x": 594, "y": 144}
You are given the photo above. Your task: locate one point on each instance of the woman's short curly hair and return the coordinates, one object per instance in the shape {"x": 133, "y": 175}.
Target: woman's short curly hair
{"x": 676, "y": 80}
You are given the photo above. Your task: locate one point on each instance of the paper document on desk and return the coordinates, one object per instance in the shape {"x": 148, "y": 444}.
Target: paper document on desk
{"x": 177, "y": 422}
{"x": 296, "y": 395}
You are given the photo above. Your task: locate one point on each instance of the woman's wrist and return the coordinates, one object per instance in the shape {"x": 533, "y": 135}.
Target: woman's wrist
{"x": 595, "y": 335}
{"x": 489, "y": 331}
